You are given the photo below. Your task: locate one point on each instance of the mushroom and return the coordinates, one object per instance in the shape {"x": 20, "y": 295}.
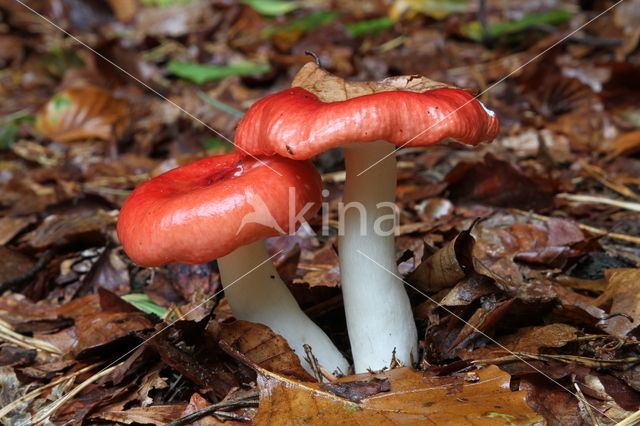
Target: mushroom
{"x": 369, "y": 120}
{"x": 221, "y": 208}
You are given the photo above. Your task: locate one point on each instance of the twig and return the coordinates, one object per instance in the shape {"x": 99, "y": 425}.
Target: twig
{"x": 313, "y": 362}
{"x": 583, "y": 401}
{"x": 53, "y": 407}
{"x": 591, "y": 229}
{"x": 601, "y": 200}
{"x": 6, "y": 333}
{"x": 581, "y": 360}
{"x": 239, "y": 402}
{"x": 26, "y": 397}
{"x": 632, "y": 420}
{"x": 314, "y": 56}
{"x": 598, "y": 174}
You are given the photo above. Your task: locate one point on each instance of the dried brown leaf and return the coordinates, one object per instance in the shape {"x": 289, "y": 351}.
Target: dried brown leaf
{"x": 156, "y": 414}
{"x": 446, "y": 266}
{"x": 495, "y": 182}
{"x": 262, "y": 346}
{"x": 83, "y": 113}
{"x": 622, "y": 297}
{"x": 61, "y": 229}
{"x": 413, "y": 398}
{"x": 331, "y": 88}
{"x": 11, "y": 226}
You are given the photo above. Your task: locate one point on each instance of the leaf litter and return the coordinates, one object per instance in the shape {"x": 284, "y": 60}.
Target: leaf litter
{"x": 532, "y": 311}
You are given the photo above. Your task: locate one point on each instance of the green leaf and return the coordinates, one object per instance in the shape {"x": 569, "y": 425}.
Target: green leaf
{"x": 201, "y": 73}
{"x": 305, "y": 23}
{"x": 145, "y": 304}
{"x": 272, "y": 7}
{"x": 362, "y": 27}
{"x": 8, "y": 135}
{"x": 473, "y": 30}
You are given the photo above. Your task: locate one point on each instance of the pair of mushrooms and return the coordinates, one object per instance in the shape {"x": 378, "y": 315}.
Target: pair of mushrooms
{"x": 222, "y": 207}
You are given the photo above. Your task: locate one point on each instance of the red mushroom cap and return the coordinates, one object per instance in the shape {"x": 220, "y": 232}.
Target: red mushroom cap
{"x": 296, "y": 124}
{"x": 207, "y": 209}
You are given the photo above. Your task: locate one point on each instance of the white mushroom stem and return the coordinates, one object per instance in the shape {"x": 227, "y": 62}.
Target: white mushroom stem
{"x": 257, "y": 294}
{"x": 379, "y": 317}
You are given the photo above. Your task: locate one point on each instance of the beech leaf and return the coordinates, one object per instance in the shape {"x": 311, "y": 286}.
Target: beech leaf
{"x": 412, "y": 398}
{"x": 82, "y": 113}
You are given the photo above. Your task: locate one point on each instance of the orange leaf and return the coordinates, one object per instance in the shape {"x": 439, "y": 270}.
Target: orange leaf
{"x": 83, "y": 113}
{"x": 480, "y": 398}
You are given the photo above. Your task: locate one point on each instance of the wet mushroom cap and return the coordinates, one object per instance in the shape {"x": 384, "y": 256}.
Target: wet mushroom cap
{"x": 294, "y": 123}
{"x": 208, "y": 208}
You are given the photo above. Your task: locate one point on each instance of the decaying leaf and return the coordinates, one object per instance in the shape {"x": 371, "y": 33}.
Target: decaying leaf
{"x": 82, "y": 113}
{"x": 330, "y": 88}
{"x": 155, "y": 414}
{"x": 622, "y": 298}
{"x": 412, "y": 398}
{"x": 445, "y": 267}
{"x": 495, "y": 182}
{"x": 61, "y": 229}
{"x": 262, "y": 346}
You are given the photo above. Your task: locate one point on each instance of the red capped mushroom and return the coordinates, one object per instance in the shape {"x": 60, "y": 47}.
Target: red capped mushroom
{"x": 221, "y": 208}
{"x": 323, "y": 112}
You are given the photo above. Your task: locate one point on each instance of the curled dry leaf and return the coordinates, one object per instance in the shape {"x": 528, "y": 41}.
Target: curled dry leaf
{"x": 412, "y": 398}
{"x": 446, "y": 266}
{"x": 262, "y": 346}
{"x": 330, "y": 88}
{"x": 63, "y": 229}
{"x": 622, "y": 297}
{"x": 83, "y": 113}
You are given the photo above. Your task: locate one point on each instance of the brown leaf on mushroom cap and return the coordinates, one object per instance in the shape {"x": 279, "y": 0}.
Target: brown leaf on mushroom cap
{"x": 81, "y": 113}
{"x": 331, "y": 88}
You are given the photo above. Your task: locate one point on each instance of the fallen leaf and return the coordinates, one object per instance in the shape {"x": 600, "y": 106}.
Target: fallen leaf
{"x": 495, "y": 182}
{"x": 262, "y": 346}
{"x": 13, "y": 264}
{"x": 82, "y": 113}
{"x": 331, "y": 88}
{"x": 621, "y": 297}
{"x": 11, "y": 226}
{"x": 60, "y": 230}
{"x": 156, "y": 414}
{"x": 446, "y": 266}
{"x": 413, "y": 398}
{"x": 106, "y": 328}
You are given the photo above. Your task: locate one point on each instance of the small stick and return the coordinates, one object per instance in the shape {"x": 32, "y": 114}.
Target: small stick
{"x": 53, "y": 407}
{"x": 313, "y": 362}
{"x": 26, "y": 397}
{"x": 395, "y": 363}
{"x": 593, "y": 230}
{"x": 314, "y": 56}
{"x": 239, "y": 402}
{"x": 6, "y": 333}
{"x": 583, "y": 401}
{"x": 631, "y": 420}
{"x": 627, "y": 205}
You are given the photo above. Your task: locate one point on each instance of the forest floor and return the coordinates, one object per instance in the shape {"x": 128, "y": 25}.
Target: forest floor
{"x": 527, "y": 315}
